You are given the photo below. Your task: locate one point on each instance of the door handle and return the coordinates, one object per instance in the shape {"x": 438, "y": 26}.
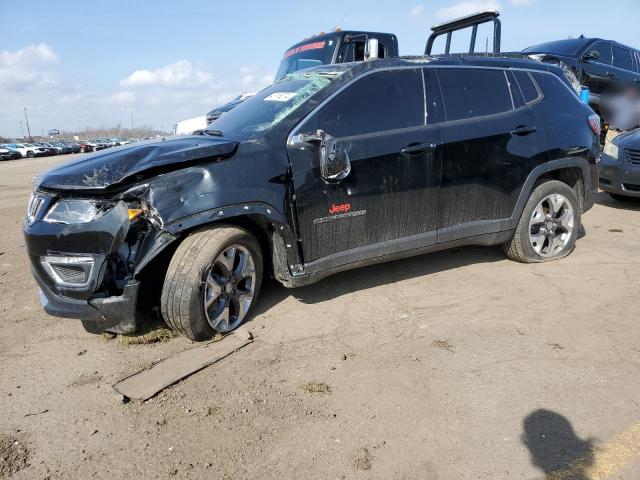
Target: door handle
{"x": 610, "y": 74}
{"x": 414, "y": 148}
{"x": 523, "y": 130}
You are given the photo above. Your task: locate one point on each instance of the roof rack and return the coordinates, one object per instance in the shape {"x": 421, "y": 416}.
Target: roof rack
{"x": 472, "y": 21}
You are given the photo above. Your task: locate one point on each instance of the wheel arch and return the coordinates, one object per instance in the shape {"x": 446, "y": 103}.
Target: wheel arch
{"x": 265, "y": 223}
{"x": 572, "y": 171}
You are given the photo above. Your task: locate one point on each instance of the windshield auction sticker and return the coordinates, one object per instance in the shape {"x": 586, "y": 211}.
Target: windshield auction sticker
{"x": 280, "y": 97}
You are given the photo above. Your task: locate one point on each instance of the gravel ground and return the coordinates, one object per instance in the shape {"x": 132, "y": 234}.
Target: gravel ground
{"x": 455, "y": 365}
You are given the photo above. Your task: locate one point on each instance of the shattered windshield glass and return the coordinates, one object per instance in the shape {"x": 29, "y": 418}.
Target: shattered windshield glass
{"x": 269, "y": 107}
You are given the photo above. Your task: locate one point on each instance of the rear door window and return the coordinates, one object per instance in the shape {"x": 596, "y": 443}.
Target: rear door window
{"x": 382, "y": 101}
{"x": 474, "y": 92}
{"x": 622, "y": 58}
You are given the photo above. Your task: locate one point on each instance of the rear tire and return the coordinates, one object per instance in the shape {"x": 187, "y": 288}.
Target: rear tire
{"x": 212, "y": 282}
{"x": 30, "y": 154}
{"x": 548, "y": 227}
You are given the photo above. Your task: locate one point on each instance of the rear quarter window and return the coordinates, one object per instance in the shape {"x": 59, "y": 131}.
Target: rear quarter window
{"x": 555, "y": 91}
{"x": 474, "y": 92}
{"x": 527, "y": 86}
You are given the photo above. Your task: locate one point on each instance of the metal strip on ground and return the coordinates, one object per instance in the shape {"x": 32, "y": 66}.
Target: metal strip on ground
{"x": 147, "y": 383}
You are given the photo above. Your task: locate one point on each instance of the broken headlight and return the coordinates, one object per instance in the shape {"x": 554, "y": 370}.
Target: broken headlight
{"x": 73, "y": 211}
{"x": 611, "y": 149}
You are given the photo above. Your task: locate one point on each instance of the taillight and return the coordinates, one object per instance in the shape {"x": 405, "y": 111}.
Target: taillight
{"x": 594, "y": 123}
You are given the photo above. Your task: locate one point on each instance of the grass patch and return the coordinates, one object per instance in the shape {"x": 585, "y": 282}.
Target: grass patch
{"x": 154, "y": 336}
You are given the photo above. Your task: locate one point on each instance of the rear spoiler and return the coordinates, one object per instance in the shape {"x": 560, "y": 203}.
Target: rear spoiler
{"x": 465, "y": 22}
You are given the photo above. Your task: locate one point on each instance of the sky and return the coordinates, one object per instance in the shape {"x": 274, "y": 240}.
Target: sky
{"x": 96, "y": 64}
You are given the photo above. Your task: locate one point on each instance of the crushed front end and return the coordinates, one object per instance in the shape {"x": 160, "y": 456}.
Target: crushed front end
{"x": 84, "y": 253}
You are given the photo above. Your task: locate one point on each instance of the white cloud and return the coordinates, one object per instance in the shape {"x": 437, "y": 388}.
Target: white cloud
{"x": 27, "y": 68}
{"x": 181, "y": 74}
{"x": 466, "y": 8}
{"x": 254, "y": 79}
{"x": 28, "y": 55}
{"x": 416, "y": 11}
{"x": 162, "y": 96}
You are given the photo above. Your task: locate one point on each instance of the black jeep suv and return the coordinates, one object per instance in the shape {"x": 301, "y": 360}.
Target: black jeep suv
{"x": 327, "y": 169}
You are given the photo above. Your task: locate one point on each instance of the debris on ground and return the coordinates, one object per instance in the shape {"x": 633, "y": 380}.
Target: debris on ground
{"x": 14, "y": 455}
{"x": 36, "y": 413}
{"x": 362, "y": 460}
{"x": 148, "y": 382}
{"x": 316, "y": 387}
{"x": 86, "y": 379}
{"x": 616, "y": 230}
{"x": 444, "y": 345}
{"x": 154, "y": 336}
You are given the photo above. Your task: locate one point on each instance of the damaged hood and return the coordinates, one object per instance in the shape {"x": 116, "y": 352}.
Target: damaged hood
{"x": 111, "y": 167}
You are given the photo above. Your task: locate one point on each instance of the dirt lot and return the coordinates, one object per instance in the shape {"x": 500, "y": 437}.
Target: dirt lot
{"x": 456, "y": 365}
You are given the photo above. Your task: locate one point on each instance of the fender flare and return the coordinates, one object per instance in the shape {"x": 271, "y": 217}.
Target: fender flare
{"x": 539, "y": 171}
{"x": 284, "y": 246}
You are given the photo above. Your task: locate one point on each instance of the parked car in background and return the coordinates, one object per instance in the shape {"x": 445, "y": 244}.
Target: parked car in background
{"x": 65, "y": 148}
{"x": 9, "y": 154}
{"x": 100, "y": 144}
{"x": 86, "y": 146}
{"x": 598, "y": 64}
{"x": 51, "y": 150}
{"x": 73, "y": 145}
{"x": 218, "y": 111}
{"x": 620, "y": 166}
{"x": 326, "y": 170}
{"x": 27, "y": 149}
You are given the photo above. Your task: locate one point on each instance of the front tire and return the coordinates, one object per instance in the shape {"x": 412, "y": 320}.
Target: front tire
{"x": 212, "y": 282}
{"x": 548, "y": 227}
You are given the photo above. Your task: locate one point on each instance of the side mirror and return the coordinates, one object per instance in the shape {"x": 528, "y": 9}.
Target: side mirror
{"x": 592, "y": 55}
{"x": 372, "y": 49}
{"x": 334, "y": 161}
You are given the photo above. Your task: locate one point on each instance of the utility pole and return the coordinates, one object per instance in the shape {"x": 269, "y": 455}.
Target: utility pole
{"x": 131, "y": 120}
{"x": 27, "y": 119}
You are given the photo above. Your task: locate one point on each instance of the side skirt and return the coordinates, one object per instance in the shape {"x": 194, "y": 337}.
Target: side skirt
{"x": 371, "y": 255}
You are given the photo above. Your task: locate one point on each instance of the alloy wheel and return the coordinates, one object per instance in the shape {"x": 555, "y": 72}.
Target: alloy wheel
{"x": 229, "y": 288}
{"x": 551, "y": 225}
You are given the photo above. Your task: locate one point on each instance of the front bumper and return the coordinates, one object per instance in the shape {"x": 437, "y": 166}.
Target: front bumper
{"x": 93, "y": 298}
{"x": 619, "y": 176}
{"x": 106, "y": 312}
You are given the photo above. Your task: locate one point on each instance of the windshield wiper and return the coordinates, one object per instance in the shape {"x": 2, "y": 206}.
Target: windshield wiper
{"x": 213, "y": 133}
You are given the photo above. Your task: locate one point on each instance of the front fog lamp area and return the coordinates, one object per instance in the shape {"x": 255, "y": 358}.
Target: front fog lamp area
{"x": 76, "y": 211}
{"x": 68, "y": 271}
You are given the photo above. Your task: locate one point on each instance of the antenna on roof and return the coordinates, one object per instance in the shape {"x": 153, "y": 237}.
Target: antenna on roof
{"x": 345, "y": 14}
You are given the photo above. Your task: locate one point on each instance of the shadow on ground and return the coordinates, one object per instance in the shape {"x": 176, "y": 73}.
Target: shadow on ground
{"x": 555, "y": 448}
{"x": 374, "y": 276}
{"x": 630, "y": 203}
